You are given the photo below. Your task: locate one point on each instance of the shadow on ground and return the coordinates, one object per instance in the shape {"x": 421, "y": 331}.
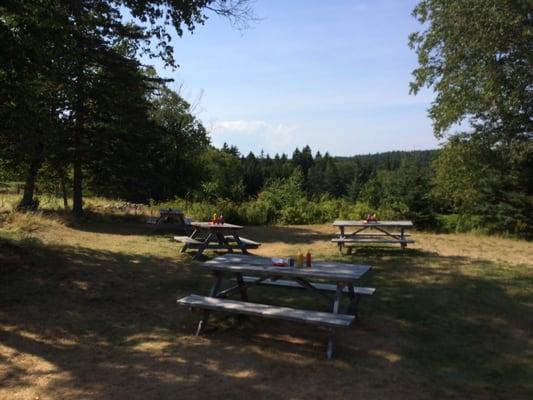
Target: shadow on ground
{"x": 115, "y": 223}
{"x": 81, "y": 323}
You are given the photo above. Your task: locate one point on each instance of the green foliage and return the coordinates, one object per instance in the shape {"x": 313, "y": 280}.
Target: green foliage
{"x": 74, "y": 94}
{"x": 456, "y": 223}
{"x": 476, "y": 54}
{"x": 401, "y": 193}
{"x": 224, "y": 172}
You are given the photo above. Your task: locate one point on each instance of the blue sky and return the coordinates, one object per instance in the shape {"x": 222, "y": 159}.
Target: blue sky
{"x": 331, "y": 74}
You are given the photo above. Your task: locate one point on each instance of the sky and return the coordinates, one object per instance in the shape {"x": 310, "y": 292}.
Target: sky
{"x": 331, "y": 74}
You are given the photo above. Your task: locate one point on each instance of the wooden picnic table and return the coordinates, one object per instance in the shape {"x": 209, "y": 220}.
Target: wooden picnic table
{"x": 214, "y": 236}
{"x": 170, "y": 218}
{"x": 250, "y": 271}
{"x": 368, "y": 232}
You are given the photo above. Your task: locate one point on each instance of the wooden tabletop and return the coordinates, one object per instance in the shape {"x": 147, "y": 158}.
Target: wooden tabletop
{"x": 209, "y": 225}
{"x": 404, "y": 224}
{"x": 170, "y": 211}
{"x": 262, "y": 266}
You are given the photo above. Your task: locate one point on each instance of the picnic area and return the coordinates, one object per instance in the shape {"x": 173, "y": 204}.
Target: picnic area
{"x": 261, "y": 199}
{"x": 89, "y": 311}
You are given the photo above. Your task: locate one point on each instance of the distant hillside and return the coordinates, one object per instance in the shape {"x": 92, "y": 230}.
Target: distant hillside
{"x": 389, "y": 159}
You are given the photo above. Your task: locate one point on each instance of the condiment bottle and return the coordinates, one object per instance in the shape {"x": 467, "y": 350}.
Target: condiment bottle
{"x": 214, "y": 220}
{"x": 308, "y": 259}
{"x": 300, "y": 260}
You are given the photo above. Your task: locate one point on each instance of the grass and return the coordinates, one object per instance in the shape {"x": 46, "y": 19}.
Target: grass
{"x": 87, "y": 310}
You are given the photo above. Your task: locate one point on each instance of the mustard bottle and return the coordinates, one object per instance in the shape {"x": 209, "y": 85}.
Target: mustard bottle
{"x": 300, "y": 260}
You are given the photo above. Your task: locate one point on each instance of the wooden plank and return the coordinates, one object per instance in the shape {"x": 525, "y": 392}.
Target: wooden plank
{"x": 170, "y": 211}
{"x": 363, "y": 240}
{"x": 262, "y": 266}
{"x": 210, "y": 226}
{"x": 402, "y": 224}
{"x": 187, "y": 240}
{"x": 374, "y": 234}
{"x": 362, "y": 291}
{"x": 357, "y": 239}
{"x": 267, "y": 311}
{"x": 247, "y": 242}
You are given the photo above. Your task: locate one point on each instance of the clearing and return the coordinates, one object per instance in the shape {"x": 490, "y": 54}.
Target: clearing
{"x": 88, "y": 310}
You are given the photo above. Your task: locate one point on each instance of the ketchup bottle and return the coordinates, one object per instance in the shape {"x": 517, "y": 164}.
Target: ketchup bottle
{"x": 308, "y": 259}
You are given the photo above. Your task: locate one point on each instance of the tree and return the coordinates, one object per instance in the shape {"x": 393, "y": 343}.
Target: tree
{"x": 224, "y": 175}
{"x": 83, "y": 38}
{"x": 477, "y": 56}
{"x": 29, "y": 92}
{"x": 179, "y": 144}
{"x": 253, "y": 174}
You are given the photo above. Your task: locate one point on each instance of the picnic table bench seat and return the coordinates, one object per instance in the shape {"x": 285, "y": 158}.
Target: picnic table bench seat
{"x": 189, "y": 241}
{"x": 359, "y": 291}
{"x": 195, "y": 242}
{"x": 252, "y": 244}
{"x": 267, "y": 311}
{"x": 364, "y": 239}
{"x": 379, "y": 234}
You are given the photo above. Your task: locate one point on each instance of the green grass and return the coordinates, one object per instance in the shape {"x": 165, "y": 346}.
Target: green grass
{"x": 88, "y": 311}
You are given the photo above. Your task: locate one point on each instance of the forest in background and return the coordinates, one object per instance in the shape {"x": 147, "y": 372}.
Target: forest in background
{"x": 80, "y": 115}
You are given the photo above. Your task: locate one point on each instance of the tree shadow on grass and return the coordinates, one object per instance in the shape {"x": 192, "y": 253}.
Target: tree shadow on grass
{"x": 116, "y": 223}
{"x": 81, "y": 323}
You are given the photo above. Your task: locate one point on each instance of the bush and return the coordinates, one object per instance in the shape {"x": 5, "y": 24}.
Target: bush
{"x": 456, "y": 223}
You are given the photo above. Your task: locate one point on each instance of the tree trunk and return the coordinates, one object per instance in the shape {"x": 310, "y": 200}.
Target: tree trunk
{"x": 79, "y": 115}
{"x": 64, "y": 190}
{"x": 28, "y": 202}
{"x": 77, "y": 196}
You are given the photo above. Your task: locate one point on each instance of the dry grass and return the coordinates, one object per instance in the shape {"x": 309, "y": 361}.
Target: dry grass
{"x": 88, "y": 311}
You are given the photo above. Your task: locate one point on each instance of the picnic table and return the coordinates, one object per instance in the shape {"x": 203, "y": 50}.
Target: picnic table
{"x": 248, "y": 271}
{"x": 215, "y": 236}
{"x": 170, "y": 218}
{"x": 368, "y": 232}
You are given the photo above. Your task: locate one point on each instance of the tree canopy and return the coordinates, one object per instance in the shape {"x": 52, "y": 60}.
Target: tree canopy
{"x": 477, "y": 55}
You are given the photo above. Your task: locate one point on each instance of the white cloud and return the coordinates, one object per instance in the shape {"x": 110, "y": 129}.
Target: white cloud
{"x": 241, "y": 126}
{"x": 271, "y": 137}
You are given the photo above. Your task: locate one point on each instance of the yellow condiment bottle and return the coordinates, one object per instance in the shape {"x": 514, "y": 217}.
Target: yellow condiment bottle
{"x": 214, "y": 217}
{"x": 300, "y": 260}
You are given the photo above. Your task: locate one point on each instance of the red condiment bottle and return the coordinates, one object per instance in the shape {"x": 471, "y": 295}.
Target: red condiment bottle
{"x": 308, "y": 259}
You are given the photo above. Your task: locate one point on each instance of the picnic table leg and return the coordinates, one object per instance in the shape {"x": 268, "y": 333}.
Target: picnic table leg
{"x": 342, "y": 237}
{"x": 203, "y": 246}
{"x": 217, "y": 280}
{"x": 336, "y": 306}
{"x": 242, "y": 288}
{"x": 241, "y": 245}
{"x": 402, "y": 236}
{"x": 351, "y": 308}
{"x": 331, "y": 344}
{"x": 224, "y": 242}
